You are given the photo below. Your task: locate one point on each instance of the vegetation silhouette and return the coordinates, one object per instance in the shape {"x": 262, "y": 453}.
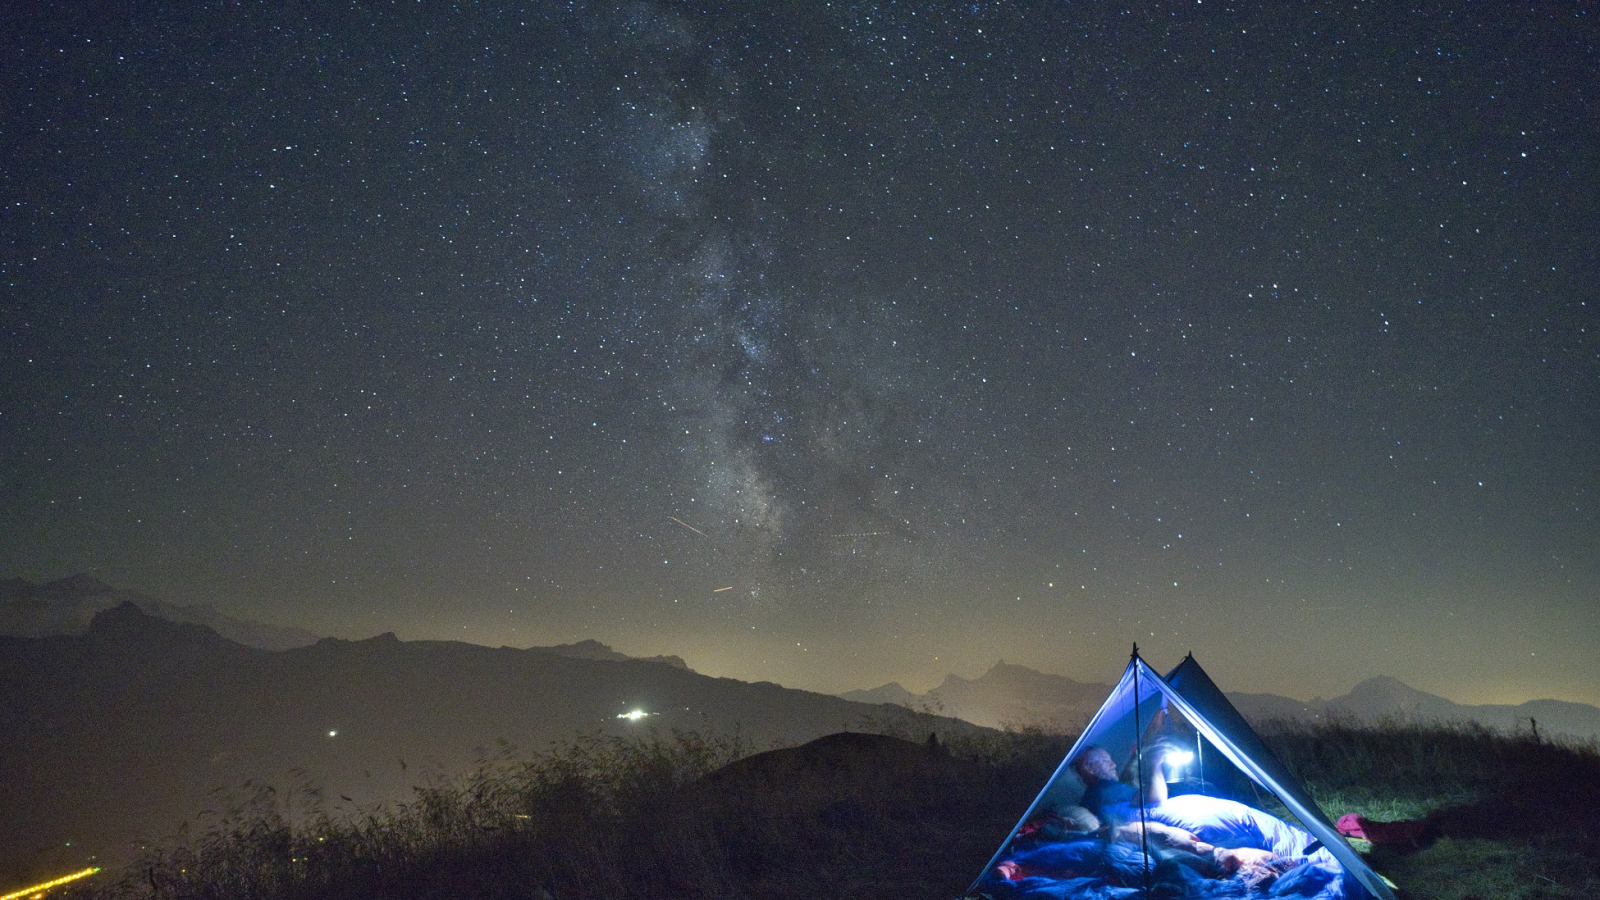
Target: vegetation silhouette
{"x": 856, "y": 814}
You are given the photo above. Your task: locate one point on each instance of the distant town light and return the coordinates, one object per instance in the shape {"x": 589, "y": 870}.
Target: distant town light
{"x": 633, "y": 715}
{"x": 333, "y": 732}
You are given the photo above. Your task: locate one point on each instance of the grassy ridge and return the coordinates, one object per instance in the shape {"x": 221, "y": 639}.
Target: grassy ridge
{"x": 1508, "y": 816}
{"x": 691, "y": 816}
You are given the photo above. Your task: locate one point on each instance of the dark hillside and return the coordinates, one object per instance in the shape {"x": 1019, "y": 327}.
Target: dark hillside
{"x": 846, "y": 815}
{"x": 124, "y": 732}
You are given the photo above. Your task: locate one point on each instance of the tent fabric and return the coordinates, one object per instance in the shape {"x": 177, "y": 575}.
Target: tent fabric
{"x": 1121, "y": 721}
{"x": 1213, "y": 712}
{"x": 1113, "y": 725}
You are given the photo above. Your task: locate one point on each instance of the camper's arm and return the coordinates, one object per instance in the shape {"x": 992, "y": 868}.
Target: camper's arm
{"x": 1153, "y": 780}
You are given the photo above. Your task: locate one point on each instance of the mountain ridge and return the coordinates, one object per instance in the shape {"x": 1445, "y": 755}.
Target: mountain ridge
{"x": 1011, "y": 695}
{"x": 129, "y": 729}
{"x": 68, "y": 606}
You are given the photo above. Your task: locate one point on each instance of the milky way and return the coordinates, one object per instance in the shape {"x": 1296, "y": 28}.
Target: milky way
{"x": 822, "y": 343}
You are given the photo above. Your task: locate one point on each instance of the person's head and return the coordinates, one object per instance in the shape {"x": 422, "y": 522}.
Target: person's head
{"x": 1095, "y": 764}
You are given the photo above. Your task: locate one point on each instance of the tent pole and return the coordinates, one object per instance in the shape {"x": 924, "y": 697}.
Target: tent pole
{"x": 1199, "y": 741}
{"x": 1138, "y": 755}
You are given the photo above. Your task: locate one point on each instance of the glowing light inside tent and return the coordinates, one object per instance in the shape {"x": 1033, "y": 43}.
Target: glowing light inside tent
{"x": 633, "y": 715}
{"x": 1177, "y": 759}
{"x": 56, "y": 882}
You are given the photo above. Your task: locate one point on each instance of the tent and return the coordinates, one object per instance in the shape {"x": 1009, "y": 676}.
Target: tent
{"x": 1225, "y": 748}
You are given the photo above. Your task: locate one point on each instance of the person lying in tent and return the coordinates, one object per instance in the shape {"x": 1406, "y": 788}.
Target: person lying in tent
{"x": 1115, "y": 796}
{"x": 1249, "y": 834}
{"x": 1190, "y": 846}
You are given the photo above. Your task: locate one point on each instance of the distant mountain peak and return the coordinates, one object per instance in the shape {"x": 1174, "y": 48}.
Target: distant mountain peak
{"x": 1388, "y": 682}
{"x": 127, "y": 622}
{"x": 1006, "y": 695}
{"x": 593, "y": 649}
{"x": 893, "y": 692}
{"x": 584, "y": 649}
{"x": 69, "y": 605}
{"x": 121, "y": 617}
{"x": 1389, "y": 689}
{"x": 1012, "y": 694}
{"x": 1011, "y": 671}
{"x": 387, "y": 639}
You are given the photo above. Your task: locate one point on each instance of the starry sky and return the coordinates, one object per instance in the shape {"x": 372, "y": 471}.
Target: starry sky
{"x": 825, "y": 343}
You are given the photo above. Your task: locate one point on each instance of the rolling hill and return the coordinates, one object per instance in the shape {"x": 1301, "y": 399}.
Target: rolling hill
{"x": 131, "y": 728}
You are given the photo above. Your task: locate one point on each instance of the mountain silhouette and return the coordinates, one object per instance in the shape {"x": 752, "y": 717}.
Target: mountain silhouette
{"x": 1005, "y": 696}
{"x": 68, "y": 605}
{"x": 125, "y": 731}
{"x": 1017, "y": 695}
{"x": 892, "y": 692}
{"x": 592, "y": 649}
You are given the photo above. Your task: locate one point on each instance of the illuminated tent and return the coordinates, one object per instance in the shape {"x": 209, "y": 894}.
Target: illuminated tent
{"x": 1229, "y": 759}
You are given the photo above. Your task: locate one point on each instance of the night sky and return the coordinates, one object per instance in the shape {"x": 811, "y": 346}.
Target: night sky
{"x": 822, "y": 343}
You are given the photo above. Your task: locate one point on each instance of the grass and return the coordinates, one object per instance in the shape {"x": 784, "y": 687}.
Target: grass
{"x": 1472, "y": 868}
{"x": 1509, "y": 816}
{"x": 686, "y": 815}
